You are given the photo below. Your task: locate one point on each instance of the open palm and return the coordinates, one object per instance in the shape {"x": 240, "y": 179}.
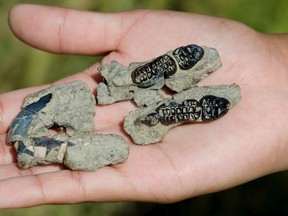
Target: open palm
{"x": 193, "y": 159}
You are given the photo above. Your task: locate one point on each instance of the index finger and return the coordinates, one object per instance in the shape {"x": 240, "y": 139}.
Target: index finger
{"x": 62, "y": 30}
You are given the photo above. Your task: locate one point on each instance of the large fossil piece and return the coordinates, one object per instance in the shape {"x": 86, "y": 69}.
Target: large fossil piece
{"x": 55, "y": 125}
{"x": 178, "y": 69}
{"x": 197, "y": 104}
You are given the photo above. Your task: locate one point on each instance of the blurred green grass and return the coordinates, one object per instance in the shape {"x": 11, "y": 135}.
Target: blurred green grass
{"x": 22, "y": 66}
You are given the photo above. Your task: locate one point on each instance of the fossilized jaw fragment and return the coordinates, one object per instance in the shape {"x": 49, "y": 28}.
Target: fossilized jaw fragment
{"x": 69, "y": 108}
{"x": 178, "y": 69}
{"x": 169, "y": 112}
{"x": 197, "y": 104}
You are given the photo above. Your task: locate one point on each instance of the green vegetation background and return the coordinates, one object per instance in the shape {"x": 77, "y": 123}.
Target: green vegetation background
{"x": 22, "y": 66}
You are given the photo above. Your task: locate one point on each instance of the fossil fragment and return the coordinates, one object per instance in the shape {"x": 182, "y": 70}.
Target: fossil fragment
{"x": 197, "y": 104}
{"x": 178, "y": 69}
{"x": 69, "y": 108}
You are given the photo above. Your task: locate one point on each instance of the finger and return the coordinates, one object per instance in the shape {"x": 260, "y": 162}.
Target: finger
{"x": 62, "y": 30}
{"x": 12, "y": 170}
{"x": 7, "y": 153}
{"x": 110, "y": 183}
{"x": 54, "y": 187}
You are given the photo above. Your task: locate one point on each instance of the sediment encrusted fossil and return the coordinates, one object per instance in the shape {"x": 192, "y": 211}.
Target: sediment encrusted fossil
{"x": 178, "y": 69}
{"x": 197, "y": 104}
{"x": 68, "y": 108}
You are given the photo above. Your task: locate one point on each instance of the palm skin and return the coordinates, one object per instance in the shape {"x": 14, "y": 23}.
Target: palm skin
{"x": 193, "y": 159}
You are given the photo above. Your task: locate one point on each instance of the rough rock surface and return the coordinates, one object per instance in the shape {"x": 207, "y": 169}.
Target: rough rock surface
{"x": 68, "y": 109}
{"x": 91, "y": 151}
{"x": 197, "y": 104}
{"x": 178, "y": 69}
{"x": 72, "y": 106}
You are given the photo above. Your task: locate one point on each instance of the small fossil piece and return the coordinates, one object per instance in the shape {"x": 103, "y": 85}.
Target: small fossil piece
{"x": 178, "y": 69}
{"x": 197, "y": 104}
{"x": 69, "y": 108}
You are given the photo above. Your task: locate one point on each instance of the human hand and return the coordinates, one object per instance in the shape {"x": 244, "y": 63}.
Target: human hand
{"x": 193, "y": 159}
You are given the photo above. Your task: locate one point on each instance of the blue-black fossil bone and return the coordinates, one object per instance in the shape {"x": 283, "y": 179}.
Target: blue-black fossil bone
{"x": 22, "y": 149}
{"x": 21, "y": 123}
{"x": 49, "y": 143}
